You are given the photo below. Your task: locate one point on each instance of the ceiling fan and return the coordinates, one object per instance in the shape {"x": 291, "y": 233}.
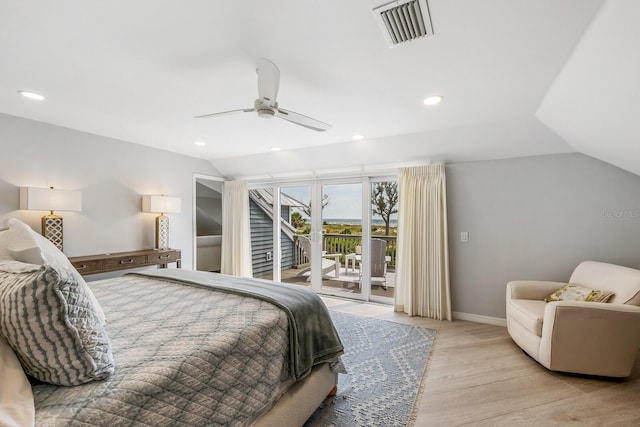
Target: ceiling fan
{"x": 266, "y": 105}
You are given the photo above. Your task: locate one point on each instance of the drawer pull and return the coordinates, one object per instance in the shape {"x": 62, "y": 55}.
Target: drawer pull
{"x": 81, "y": 267}
{"x": 127, "y": 261}
{"x": 165, "y": 256}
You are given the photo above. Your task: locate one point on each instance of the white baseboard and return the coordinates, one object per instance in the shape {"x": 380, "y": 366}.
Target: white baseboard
{"x": 479, "y": 319}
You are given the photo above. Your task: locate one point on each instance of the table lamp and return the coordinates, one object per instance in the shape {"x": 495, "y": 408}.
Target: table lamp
{"x": 162, "y": 205}
{"x": 50, "y": 199}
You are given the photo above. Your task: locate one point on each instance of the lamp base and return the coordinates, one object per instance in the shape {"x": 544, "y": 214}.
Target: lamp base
{"x": 162, "y": 232}
{"x": 52, "y": 229}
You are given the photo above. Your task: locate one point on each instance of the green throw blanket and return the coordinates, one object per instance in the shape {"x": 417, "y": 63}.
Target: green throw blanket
{"x": 312, "y": 336}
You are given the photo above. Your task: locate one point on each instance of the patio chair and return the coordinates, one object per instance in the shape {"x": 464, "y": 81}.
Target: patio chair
{"x": 354, "y": 257}
{"x": 327, "y": 264}
{"x": 378, "y": 262}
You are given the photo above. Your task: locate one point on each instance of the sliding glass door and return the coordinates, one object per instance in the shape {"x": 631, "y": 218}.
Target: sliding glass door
{"x": 384, "y": 231}
{"x": 295, "y": 202}
{"x": 336, "y": 237}
{"x": 342, "y": 231}
{"x": 262, "y": 231}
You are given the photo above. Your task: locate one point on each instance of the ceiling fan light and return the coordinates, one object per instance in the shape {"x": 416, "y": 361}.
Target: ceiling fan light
{"x": 266, "y": 113}
{"x": 357, "y": 137}
{"x": 433, "y": 100}
{"x": 31, "y": 95}
{"x": 276, "y": 148}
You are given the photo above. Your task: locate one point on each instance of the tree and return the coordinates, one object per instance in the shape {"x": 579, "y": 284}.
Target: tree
{"x": 297, "y": 220}
{"x": 307, "y": 209}
{"x": 384, "y": 199}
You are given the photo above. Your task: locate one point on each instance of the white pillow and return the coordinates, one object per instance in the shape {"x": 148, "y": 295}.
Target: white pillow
{"x": 16, "y": 398}
{"x": 20, "y": 243}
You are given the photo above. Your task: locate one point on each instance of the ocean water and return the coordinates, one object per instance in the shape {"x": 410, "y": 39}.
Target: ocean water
{"x": 358, "y": 221}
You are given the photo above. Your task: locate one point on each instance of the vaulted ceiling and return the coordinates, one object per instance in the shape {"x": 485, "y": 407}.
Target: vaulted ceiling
{"x": 517, "y": 77}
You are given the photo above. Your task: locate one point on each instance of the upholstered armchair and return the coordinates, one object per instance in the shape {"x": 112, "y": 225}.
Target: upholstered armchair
{"x": 594, "y": 338}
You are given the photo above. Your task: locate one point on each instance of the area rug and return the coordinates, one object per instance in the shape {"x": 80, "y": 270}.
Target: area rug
{"x": 385, "y": 362}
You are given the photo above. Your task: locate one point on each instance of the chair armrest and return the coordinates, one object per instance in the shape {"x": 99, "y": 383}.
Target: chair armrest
{"x": 531, "y": 289}
{"x": 601, "y": 307}
{"x": 591, "y": 338}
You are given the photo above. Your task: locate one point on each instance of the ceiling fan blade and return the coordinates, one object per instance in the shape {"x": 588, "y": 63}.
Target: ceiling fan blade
{"x": 302, "y": 120}
{"x": 268, "y": 81}
{"x": 224, "y": 113}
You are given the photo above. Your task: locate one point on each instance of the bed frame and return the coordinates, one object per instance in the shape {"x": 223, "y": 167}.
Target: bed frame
{"x": 301, "y": 399}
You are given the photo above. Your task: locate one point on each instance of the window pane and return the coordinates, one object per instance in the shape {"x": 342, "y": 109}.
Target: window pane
{"x": 294, "y": 209}
{"x": 384, "y": 228}
{"x": 342, "y": 235}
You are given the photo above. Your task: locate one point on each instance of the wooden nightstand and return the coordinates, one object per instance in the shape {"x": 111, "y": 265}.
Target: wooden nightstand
{"x": 103, "y": 263}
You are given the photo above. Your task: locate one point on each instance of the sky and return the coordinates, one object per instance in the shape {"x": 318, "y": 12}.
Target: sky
{"x": 345, "y": 200}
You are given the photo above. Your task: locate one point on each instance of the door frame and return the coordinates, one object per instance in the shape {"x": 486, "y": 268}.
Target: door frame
{"x": 194, "y": 231}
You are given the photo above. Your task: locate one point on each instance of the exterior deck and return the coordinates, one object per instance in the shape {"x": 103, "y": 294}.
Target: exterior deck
{"x": 297, "y": 276}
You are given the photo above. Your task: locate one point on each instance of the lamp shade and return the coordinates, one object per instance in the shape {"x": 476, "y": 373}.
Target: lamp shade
{"x": 49, "y": 199}
{"x": 161, "y": 204}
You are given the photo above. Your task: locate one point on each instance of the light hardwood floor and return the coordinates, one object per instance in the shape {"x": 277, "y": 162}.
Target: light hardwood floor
{"x": 477, "y": 376}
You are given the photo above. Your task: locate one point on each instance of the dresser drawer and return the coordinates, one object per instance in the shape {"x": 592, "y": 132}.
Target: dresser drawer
{"x": 126, "y": 262}
{"x": 88, "y": 267}
{"x": 103, "y": 263}
{"x": 164, "y": 257}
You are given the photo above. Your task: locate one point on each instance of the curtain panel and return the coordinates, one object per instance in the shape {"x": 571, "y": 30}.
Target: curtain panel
{"x": 236, "y": 231}
{"x": 422, "y": 273}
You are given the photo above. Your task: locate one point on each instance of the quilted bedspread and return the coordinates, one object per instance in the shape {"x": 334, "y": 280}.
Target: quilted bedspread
{"x": 312, "y": 337}
{"x": 185, "y": 356}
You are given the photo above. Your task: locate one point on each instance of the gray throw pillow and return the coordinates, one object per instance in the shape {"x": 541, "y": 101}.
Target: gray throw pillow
{"x": 51, "y": 324}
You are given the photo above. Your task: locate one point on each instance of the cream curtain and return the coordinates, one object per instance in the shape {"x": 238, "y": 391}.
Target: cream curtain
{"x": 236, "y": 231}
{"x": 422, "y": 273}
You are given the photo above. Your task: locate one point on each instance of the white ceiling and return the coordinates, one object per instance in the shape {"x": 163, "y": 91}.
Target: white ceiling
{"x": 594, "y": 104}
{"x": 138, "y": 71}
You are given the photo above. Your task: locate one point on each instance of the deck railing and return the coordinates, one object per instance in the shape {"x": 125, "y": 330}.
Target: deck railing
{"x": 344, "y": 244}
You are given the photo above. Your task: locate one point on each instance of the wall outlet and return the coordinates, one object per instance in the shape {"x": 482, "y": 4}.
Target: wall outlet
{"x": 269, "y": 256}
{"x": 464, "y": 237}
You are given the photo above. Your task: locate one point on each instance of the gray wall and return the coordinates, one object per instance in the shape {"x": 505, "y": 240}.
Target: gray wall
{"x": 112, "y": 175}
{"x": 535, "y": 218}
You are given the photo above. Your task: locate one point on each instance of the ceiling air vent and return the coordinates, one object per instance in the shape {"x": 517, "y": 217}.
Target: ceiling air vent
{"x": 403, "y": 21}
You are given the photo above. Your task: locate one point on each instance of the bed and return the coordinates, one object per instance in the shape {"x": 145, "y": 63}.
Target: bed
{"x": 186, "y": 348}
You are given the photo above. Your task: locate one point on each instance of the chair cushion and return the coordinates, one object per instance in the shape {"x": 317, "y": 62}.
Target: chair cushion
{"x": 529, "y": 313}
{"x": 573, "y": 292}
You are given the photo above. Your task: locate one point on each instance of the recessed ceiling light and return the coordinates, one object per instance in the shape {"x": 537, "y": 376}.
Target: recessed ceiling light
{"x": 31, "y": 95}
{"x": 433, "y": 100}
{"x": 200, "y": 143}
{"x": 357, "y": 137}
{"x": 276, "y": 148}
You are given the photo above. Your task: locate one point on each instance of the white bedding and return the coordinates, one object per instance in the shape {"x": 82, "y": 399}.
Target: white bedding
{"x": 16, "y": 398}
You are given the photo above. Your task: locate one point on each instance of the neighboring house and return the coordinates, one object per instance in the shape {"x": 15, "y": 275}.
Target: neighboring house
{"x": 261, "y": 218}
